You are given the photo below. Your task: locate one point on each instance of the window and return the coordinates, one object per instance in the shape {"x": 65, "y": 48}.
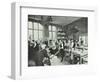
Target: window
{"x": 30, "y": 33}
{"x": 35, "y": 31}
{"x": 29, "y": 24}
{"x": 40, "y": 35}
{"x": 36, "y": 25}
{"x": 50, "y": 28}
{"x": 53, "y": 28}
{"x": 50, "y": 35}
{"x": 40, "y": 26}
{"x": 52, "y": 32}
{"x": 54, "y": 35}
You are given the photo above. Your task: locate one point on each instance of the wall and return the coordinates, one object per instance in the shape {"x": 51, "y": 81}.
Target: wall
{"x": 46, "y": 32}
{"x": 81, "y": 25}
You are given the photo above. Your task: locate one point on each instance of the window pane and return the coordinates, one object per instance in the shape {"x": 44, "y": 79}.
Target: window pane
{"x": 29, "y": 24}
{"x": 49, "y": 27}
{"x": 50, "y": 35}
{"x": 53, "y": 28}
{"x": 54, "y": 35}
{"x": 40, "y": 26}
{"x": 35, "y": 34}
{"x": 30, "y": 34}
{"x": 35, "y": 25}
{"x": 40, "y": 35}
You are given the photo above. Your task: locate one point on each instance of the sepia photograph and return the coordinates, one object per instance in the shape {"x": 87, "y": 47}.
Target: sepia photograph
{"x": 57, "y": 40}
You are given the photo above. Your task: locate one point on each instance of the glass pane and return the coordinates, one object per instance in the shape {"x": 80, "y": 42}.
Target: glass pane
{"x": 35, "y": 25}
{"x": 29, "y": 24}
{"x": 54, "y": 35}
{"x": 30, "y": 35}
{"x": 35, "y": 34}
{"x": 50, "y": 35}
{"x": 50, "y": 28}
{"x": 53, "y": 28}
{"x": 40, "y": 35}
{"x": 40, "y": 26}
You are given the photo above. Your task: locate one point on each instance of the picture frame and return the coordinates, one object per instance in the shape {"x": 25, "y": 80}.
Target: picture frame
{"x": 19, "y": 36}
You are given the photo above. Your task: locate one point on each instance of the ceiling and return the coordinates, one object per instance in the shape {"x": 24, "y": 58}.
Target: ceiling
{"x": 64, "y": 20}
{"x": 60, "y": 20}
